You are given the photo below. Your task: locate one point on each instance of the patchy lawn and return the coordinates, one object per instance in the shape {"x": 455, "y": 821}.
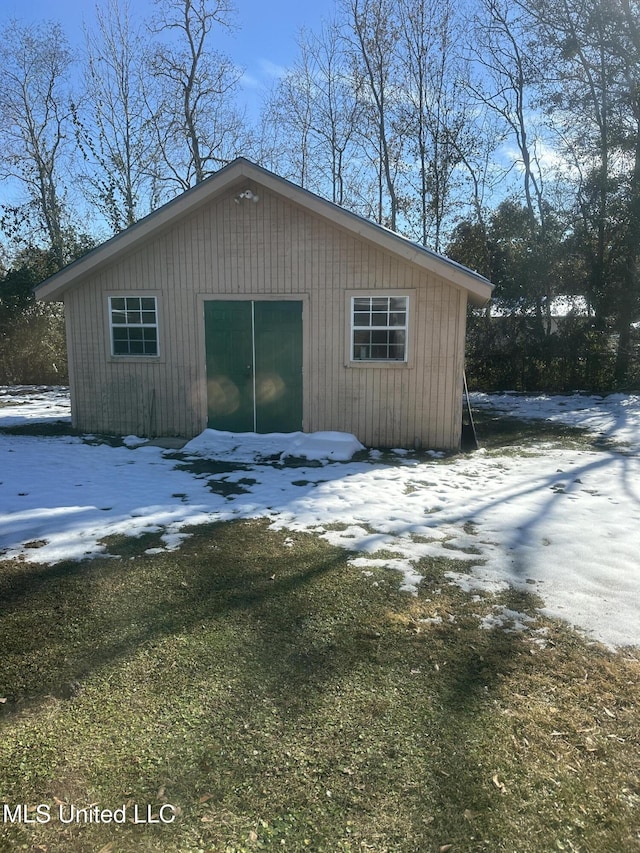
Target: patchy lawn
{"x": 256, "y": 690}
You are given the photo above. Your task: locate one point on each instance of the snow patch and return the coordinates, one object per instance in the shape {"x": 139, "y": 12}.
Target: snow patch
{"x": 337, "y": 446}
{"x": 253, "y": 447}
{"x": 562, "y": 524}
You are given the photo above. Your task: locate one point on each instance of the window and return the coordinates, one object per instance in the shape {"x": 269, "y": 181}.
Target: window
{"x": 379, "y": 328}
{"x": 134, "y": 325}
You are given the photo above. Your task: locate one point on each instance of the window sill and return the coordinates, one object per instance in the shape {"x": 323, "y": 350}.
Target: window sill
{"x": 136, "y": 359}
{"x": 385, "y": 365}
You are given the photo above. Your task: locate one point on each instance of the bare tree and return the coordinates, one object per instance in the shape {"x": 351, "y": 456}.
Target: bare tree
{"x": 374, "y": 38}
{"x": 337, "y": 109}
{"x": 197, "y": 125}
{"x": 507, "y": 84}
{"x": 435, "y": 107}
{"x": 288, "y": 114}
{"x": 35, "y": 118}
{"x": 317, "y": 105}
{"x": 113, "y": 128}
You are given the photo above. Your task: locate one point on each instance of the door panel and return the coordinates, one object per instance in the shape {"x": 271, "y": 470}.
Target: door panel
{"x": 278, "y": 348}
{"x": 238, "y": 400}
{"x": 229, "y": 351}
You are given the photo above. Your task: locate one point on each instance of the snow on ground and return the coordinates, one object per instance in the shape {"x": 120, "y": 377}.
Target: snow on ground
{"x": 249, "y": 446}
{"x": 564, "y": 524}
{"x": 34, "y": 404}
{"x": 615, "y": 417}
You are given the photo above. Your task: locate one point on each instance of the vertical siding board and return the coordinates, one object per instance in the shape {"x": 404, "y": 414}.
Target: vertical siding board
{"x": 285, "y": 235}
{"x": 427, "y": 413}
{"x": 436, "y": 358}
{"x": 94, "y": 317}
{"x": 413, "y": 379}
{"x": 449, "y": 404}
{"x": 430, "y": 368}
{"x": 182, "y": 316}
{"x": 296, "y": 232}
{"x": 77, "y": 331}
{"x": 343, "y": 265}
{"x": 248, "y": 247}
{"x": 184, "y": 310}
{"x": 445, "y": 387}
{"x": 268, "y": 243}
{"x": 164, "y": 407}
{"x": 260, "y": 251}
{"x": 326, "y": 275}
{"x": 317, "y": 304}
{"x": 254, "y": 248}
{"x": 455, "y": 372}
{"x": 150, "y": 417}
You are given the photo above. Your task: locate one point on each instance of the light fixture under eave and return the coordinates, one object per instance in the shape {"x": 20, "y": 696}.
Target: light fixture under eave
{"x": 247, "y": 194}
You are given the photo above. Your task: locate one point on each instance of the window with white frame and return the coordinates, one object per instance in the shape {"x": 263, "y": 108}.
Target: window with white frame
{"x": 134, "y": 325}
{"x": 379, "y": 328}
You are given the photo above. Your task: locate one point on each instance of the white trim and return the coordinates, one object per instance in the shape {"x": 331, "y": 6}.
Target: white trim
{"x": 112, "y": 326}
{"x": 380, "y": 362}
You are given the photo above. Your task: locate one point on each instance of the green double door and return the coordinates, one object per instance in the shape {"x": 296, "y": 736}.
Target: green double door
{"x": 254, "y": 365}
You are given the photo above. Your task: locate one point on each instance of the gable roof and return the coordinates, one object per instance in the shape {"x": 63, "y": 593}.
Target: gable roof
{"x": 478, "y": 288}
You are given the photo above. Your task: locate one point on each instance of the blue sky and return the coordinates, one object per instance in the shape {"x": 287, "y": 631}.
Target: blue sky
{"x": 264, "y": 43}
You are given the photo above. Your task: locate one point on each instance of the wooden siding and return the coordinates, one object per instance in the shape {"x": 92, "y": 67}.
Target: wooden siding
{"x": 269, "y": 249}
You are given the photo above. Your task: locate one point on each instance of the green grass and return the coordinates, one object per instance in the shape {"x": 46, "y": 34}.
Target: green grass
{"x": 499, "y": 432}
{"x": 281, "y": 699}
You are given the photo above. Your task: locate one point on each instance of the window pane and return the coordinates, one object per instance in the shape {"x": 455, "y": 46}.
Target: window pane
{"x": 379, "y": 352}
{"x": 361, "y": 345}
{"x": 379, "y": 319}
{"x": 149, "y": 317}
{"x": 397, "y": 319}
{"x": 148, "y": 303}
{"x": 118, "y": 317}
{"x": 398, "y": 303}
{"x": 150, "y": 346}
{"x": 117, "y": 304}
{"x": 380, "y": 303}
{"x": 133, "y": 303}
{"x": 361, "y": 337}
{"x": 360, "y": 319}
{"x": 361, "y": 353}
{"x": 362, "y": 304}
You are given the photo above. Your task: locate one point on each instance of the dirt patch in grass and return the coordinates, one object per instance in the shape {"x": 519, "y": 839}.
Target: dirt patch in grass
{"x": 279, "y": 697}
